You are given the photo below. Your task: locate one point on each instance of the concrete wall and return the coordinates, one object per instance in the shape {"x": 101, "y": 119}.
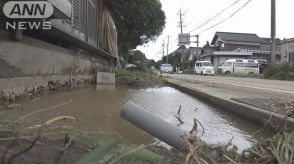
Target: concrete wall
{"x": 41, "y": 62}
{"x": 11, "y": 87}
{"x": 32, "y": 57}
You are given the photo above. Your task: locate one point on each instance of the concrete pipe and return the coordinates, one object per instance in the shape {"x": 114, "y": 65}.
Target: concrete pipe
{"x": 154, "y": 125}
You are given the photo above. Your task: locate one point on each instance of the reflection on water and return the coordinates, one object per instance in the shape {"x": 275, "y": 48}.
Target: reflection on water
{"x": 219, "y": 126}
{"x": 97, "y": 109}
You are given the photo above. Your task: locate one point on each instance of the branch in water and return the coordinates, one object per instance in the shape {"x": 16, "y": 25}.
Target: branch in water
{"x": 179, "y": 109}
{"x": 179, "y": 119}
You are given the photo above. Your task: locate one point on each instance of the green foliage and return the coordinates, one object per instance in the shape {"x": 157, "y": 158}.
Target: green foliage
{"x": 280, "y": 72}
{"x": 138, "y": 155}
{"x": 136, "y": 57}
{"x": 282, "y": 148}
{"x": 137, "y": 21}
{"x": 127, "y": 155}
{"x": 98, "y": 153}
{"x": 276, "y": 149}
{"x": 141, "y": 77}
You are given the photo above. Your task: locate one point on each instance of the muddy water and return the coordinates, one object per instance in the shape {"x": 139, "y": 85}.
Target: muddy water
{"x": 97, "y": 110}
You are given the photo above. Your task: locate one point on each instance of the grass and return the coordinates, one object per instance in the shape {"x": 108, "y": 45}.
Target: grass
{"x": 280, "y": 72}
{"x": 138, "y": 78}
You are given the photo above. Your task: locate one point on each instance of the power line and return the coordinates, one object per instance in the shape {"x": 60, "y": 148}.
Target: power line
{"x": 173, "y": 41}
{"x": 227, "y": 17}
{"x": 218, "y": 14}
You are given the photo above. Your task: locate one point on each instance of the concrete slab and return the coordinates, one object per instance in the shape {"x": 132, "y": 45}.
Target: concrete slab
{"x": 261, "y": 87}
{"x": 105, "y": 78}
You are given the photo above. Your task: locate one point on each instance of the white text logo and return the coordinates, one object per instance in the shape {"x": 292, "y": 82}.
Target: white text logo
{"x": 28, "y": 15}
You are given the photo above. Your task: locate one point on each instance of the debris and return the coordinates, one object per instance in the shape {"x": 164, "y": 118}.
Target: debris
{"x": 45, "y": 109}
{"x": 179, "y": 110}
{"x": 36, "y": 99}
{"x": 12, "y": 157}
{"x": 73, "y": 119}
{"x": 181, "y": 122}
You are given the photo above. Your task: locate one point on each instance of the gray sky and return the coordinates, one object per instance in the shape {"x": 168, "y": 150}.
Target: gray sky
{"x": 253, "y": 18}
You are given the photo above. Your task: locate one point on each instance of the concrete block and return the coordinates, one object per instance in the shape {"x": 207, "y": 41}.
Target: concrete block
{"x": 105, "y": 78}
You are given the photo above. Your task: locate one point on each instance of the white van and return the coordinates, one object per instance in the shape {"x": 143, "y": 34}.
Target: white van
{"x": 166, "y": 68}
{"x": 239, "y": 67}
{"x": 203, "y": 68}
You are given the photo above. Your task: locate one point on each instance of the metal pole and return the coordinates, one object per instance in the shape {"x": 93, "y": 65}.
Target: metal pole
{"x": 162, "y": 51}
{"x": 154, "y": 125}
{"x": 197, "y": 54}
{"x": 167, "y": 49}
{"x": 181, "y": 21}
{"x": 273, "y": 31}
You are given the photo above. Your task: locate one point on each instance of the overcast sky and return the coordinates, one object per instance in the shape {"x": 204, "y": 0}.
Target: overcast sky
{"x": 253, "y": 18}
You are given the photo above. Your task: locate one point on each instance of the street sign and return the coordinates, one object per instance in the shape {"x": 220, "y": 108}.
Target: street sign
{"x": 184, "y": 39}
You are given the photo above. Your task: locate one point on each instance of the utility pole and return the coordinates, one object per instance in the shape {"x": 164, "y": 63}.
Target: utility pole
{"x": 181, "y": 26}
{"x": 181, "y": 21}
{"x": 197, "y": 41}
{"x": 162, "y": 50}
{"x": 273, "y": 32}
{"x": 167, "y": 49}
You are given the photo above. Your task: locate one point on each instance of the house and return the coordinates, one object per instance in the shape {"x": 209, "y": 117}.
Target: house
{"x": 241, "y": 45}
{"x": 266, "y": 49}
{"x": 288, "y": 50}
{"x": 81, "y": 26}
{"x": 82, "y": 41}
{"x": 228, "y": 41}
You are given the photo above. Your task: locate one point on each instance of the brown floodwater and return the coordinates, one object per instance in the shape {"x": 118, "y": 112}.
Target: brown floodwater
{"x": 97, "y": 110}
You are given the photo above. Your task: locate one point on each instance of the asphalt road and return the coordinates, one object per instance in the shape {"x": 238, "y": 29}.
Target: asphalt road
{"x": 277, "y": 88}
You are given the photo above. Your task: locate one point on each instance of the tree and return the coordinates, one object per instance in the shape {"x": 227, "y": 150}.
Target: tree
{"x": 136, "y": 57}
{"x": 137, "y": 22}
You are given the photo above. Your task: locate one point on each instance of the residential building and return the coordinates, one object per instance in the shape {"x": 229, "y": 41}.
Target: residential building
{"x": 288, "y": 50}
{"x": 82, "y": 41}
{"x": 230, "y": 45}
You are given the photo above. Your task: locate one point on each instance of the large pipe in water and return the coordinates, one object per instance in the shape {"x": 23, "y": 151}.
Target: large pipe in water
{"x": 154, "y": 125}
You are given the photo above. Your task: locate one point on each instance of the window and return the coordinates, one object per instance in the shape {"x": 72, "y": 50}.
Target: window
{"x": 207, "y": 64}
{"x": 291, "y": 57}
{"x": 85, "y": 17}
{"x": 251, "y": 65}
{"x": 165, "y": 65}
{"x": 239, "y": 64}
{"x": 227, "y": 64}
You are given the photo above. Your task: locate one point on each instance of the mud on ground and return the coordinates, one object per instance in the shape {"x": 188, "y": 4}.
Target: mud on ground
{"x": 43, "y": 152}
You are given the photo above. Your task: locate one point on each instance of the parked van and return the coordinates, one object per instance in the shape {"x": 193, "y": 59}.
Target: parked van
{"x": 166, "y": 68}
{"x": 239, "y": 67}
{"x": 204, "y": 68}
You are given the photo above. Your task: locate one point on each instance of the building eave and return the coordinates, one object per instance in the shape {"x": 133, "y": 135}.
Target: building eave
{"x": 231, "y": 53}
{"x": 244, "y": 43}
{"x": 287, "y": 40}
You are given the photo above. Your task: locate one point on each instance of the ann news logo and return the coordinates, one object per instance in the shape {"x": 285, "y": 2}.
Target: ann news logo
{"x": 28, "y": 15}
